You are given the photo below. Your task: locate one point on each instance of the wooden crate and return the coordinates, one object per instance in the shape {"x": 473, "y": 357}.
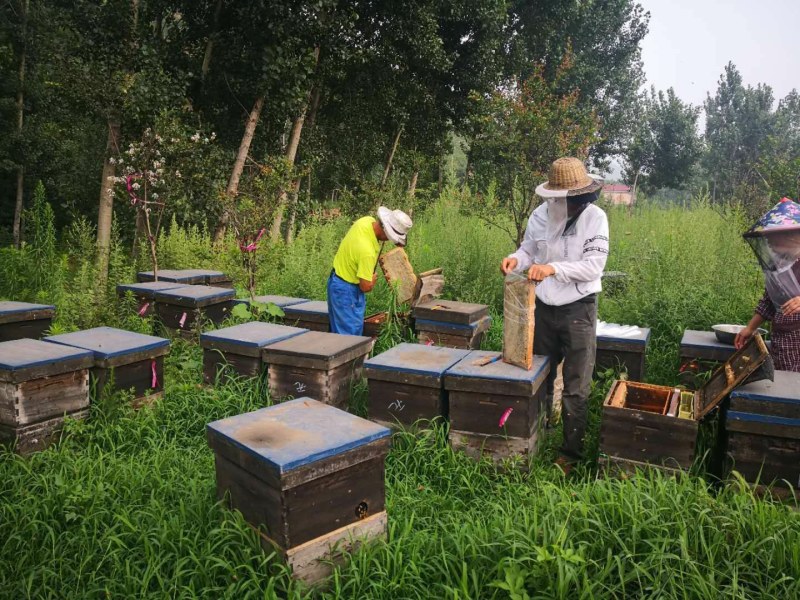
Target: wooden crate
{"x": 320, "y": 365}
{"x": 449, "y": 311}
{"x": 20, "y": 320}
{"x": 496, "y": 409}
{"x": 406, "y": 383}
{"x": 40, "y": 383}
{"x": 763, "y": 425}
{"x": 623, "y": 353}
{"x": 452, "y": 335}
{"x": 184, "y": 276}
{"x": 237, "y": 350}
{"x": 306, "y": 474}
{"x": 145, "y": 293}
{"x": 123, "y": 360}
{"x": 181, "y": 308}
{"x": 373, "y": 324}
{"x": 642, "y": 423}
{"x": 311, "y": 315}
{"x": 27, "y": 439}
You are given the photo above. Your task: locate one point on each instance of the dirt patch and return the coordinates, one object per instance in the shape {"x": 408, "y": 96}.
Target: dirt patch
{"x": 270, "y": 434}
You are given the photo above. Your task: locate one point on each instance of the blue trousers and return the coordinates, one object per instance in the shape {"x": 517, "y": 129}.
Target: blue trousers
{"x": 346, "y": 306}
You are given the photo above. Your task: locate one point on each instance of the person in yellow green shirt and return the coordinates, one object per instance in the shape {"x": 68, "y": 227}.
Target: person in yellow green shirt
{"x": 354, "y": 274}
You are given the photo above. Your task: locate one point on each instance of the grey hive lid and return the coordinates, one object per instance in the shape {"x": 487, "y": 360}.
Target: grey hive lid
{"x": 310, "y": 307}
{"x": 785, "y": 389}
{"x": 253, "y": 335}
{"x": 21, "y": 359}
{"x": 195, "y": 295}
{"x": 317, "y": 349}
{"x": 703, "y": 339}
{"x": 109, "y": 342}
{"x": 147, "y": 288}
{"x": 11, "y": 311}
{"x": 280, "y": 301}
{"x": 418, "y": 359}
{"x": 186, "y": 276}
{"x": 450, "y": 311}
{"x": 296, "y": 433}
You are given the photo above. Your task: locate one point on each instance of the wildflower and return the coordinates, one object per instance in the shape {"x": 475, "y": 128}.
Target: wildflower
{"x": 135, "y": 186}
{"x": 154, "y": 196}
{"x": 195, "y": 137}
{"x": 213, "y": 135}
{"x": 177, "y": 174}
{"x": 112, "y": 161}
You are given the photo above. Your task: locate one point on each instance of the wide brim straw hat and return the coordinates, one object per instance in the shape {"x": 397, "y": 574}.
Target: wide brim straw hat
{"x": 395, "y": 225}
{"x": 568, "y": 177}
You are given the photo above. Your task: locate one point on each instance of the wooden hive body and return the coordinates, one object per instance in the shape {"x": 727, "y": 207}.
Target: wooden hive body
{"x": 123, "y": 359}
{"x": 641, "y": 424}
{"x": 623, "y": 353}
{"x": 452, "y": 335}
{"x": 237, "y": 349}
{"x": 763, "y": 425}
{"x": 145, "y": 293}
{"x": 302, "y": 472}
{"x": 406, "y": 383}
{"x": 40, "y": 383}
{"x": 181, "y": 308}
{"x": 184, "y": 276}
{"x": 312, "y": 315}
{"x": 450, "y": 311}
{"x": 496, "y": 408}
{"x": 20, "y": 320}
{"x": 318, "y": 364}
{"x": 374, "y": 324}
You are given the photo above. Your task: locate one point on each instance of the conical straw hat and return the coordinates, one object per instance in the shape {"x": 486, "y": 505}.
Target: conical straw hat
{"x": 568, "y": 176}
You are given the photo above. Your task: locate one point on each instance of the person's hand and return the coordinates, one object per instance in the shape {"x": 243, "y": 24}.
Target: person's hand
{"x": 538, "y": 273}
{"x": 743, "y": 337}
{"x": 508, "y": 265}
{"x": 791, "y": 306}
{"x": 374, "y": 278}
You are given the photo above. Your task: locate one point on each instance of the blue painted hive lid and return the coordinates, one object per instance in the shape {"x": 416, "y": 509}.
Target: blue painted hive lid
{"x": 311, "y": 307}
{"x": 254, "y": 336}
{"x": 147, "y": 289}
{"x": 18, "y": 358}
{"x": 108, "y": 342}
{"x": 296, "y": 433}
{"x": 186, "y": 276}
{"x": 703, "y": 339}
{"x": 473, "y": 371}
{"x": 280, "y": 301}
{"x": 417, "y": 359}
{"x": 12, "y": 312}
{"x": 317, "y": 350}
{"x": 195, "y": 295}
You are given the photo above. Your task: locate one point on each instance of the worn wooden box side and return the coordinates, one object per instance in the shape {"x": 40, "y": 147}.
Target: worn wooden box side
{"x": 450, "y": 311}
{"x": 405, "y": 404}
{"x": 24, "y": 329}
{"x": 43, "y": 398}
{"x": 27, "y": 439}
{"x": 399, "y": 273}
{"x": 181, "y": 318}
{"x": 487, "y": 413}
{"x": 451, "y": 341}
{"x": 455, "y": 329}
{"x": 12, "y": 312}
{"x": 764, "y": 459}
{"x": 217, "y": 363}
{"x": 519, "y": 304}
{"x": 631, "y": 362}
{"x": 330, "y": 386}
{"x": 495, "y": 447}
{"x": 143, "y": 377}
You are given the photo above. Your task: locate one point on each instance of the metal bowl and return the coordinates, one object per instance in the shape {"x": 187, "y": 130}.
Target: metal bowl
{"x": 726, "y": 334}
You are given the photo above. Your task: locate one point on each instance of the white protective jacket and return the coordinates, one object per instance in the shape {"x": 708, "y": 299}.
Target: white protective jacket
{"x": 578, "y": 256}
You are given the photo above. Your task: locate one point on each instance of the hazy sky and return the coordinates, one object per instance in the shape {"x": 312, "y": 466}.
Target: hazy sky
{"x": 690, "y": 42}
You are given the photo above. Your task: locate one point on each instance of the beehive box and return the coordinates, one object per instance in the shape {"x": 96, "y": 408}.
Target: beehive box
{"x": 123, "y": 359}
{"x": 213, "y": 278}
{"x": 317, "y": 364}
{"x": 311, "y": 315}
{"x": 310, "y": 477}
{"x": 184, "y": 276}
{"x": 642, "y": 424}
{"x": 623, "y": 353}
{"x": 24, "y": 320}
{"x": 763, "y": 425}
{"x": 496, "y": 409}
{"x": 238, "y": 348}
{"x": 40, "y": 384}
{"x": 374, "y": 324}
{"x": 145, "y": 293}
{"x": 280, "y": 301}
{"x": 406, "y": 383}
{"x": 181, "y": 308}
{"x": 452, "y": 335}
{"x": 450, "y": 311}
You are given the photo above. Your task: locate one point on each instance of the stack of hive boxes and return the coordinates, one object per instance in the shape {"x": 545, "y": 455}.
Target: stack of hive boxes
{"x": 452, "y": 324}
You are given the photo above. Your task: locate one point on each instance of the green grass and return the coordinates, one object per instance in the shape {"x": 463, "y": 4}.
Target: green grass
{"x": 125, "y": 506}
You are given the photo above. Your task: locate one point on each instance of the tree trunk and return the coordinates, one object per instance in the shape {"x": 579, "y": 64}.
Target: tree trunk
{"x": 210, "y": 43}
{"x": 20, "y": 116}
{"x": 292, "y": 211}
{"x": 440, "y": 182}
{"x": 412, "y": 187}
{"x": 106, "y": 208}
{"x": 238, "y": 166}
{"x": 391, "y": 156}
{"x": 291, "y": 155}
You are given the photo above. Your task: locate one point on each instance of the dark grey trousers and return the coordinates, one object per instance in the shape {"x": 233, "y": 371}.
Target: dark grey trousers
{"x": 568, "y": 333}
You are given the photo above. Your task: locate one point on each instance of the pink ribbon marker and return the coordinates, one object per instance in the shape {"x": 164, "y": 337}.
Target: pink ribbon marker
{"x": 154, "y": 382}
{"x": 429, "y": 343}
{"x": 183, "y": 320}
{"x": 504, "y": 417}
{"x": 144, "y": 308}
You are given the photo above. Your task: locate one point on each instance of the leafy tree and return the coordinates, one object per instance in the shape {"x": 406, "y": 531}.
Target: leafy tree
{"x": 665, "y": 145}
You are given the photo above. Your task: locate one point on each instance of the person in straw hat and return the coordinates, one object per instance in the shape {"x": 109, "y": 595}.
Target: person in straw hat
{"x": 775, "y": 239}
{"x": 564, "y": 251}
{"x": 354, "y": 267}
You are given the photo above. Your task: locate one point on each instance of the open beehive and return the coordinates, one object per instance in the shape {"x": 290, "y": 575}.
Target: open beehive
{"x": 406, "y": 383}
{"x": 317, "y": 364}
{"x": 180, "y": 309}
{"x": 123, "y": 359}
{"x": 311, "y": 315}
{"x": 20, "y": 320}
{"x": 40, "y": 385}
{"x": 763, "y": 426}
{"x": 238, "y": 349}
{"x": 658, "y": 425}
{"x": 496, "y": 408}
{"x": 308, "y": 476}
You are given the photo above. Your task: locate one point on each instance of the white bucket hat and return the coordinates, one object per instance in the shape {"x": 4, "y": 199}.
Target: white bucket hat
{"x": 395, "y": 224}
